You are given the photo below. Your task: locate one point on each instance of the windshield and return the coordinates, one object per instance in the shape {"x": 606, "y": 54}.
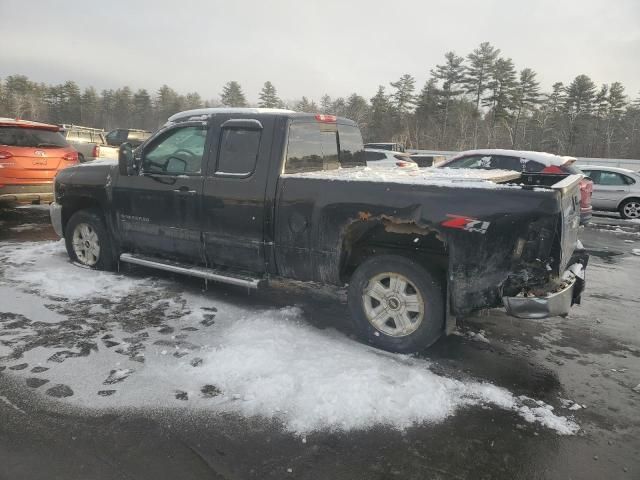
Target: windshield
{"x": 31, "y": 137}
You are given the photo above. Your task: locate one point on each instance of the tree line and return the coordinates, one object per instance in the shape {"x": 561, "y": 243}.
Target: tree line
{"x": 475, "y": 101}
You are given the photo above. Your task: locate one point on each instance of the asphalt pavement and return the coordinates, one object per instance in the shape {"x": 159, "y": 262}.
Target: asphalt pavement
{"x": 586, "y": 366}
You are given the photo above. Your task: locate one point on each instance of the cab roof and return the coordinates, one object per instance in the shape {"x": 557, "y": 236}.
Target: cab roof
{"x": 206, "y": 113}
{"x": 14, "y": 122}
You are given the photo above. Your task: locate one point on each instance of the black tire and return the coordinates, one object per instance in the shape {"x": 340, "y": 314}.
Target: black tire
{"x": 93, "y": 218}
{"x": 632, "y": 204}
{"x": 423, "y": 282}
{"x": 80, "y": 158}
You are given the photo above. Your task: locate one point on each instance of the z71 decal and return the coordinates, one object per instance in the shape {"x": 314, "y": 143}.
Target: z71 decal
{"x": 466, "y": 223}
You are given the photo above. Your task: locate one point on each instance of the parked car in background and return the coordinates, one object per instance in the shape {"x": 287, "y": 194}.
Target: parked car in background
{"x": 133, "y": 136}
{"x": 31, "y": 154}
{"x": 90, "y": 143}
{"x": 615, "y": 189}
{"x": 395, "y": 147}
{"x": 387, "y": 159}
{"x": 526, "y": 162}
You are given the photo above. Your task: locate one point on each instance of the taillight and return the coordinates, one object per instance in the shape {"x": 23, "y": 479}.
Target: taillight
{"x": 96, "y": 151}
{"x": 70, "y": 157}
{"x": 552, "y": 169}
{"x": 322, "y": 118}
{"x": 4, "y": 155}
{"x": 402, "y": 163}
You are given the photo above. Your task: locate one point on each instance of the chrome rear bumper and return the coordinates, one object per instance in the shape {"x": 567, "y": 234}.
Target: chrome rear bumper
{"x": 555, "y": 303}
{"x": 558, "y": 303}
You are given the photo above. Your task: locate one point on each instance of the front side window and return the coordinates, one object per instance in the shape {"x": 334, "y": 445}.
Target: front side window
{"x": 177, "y": 152}
{"x": 239, "y": 149}
{"x": 312, "y": 147}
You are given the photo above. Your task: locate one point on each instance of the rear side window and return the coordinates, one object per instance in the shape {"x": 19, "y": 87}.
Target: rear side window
{"x": 31, "y": 137}
{"x": 238, "y": 151}
{"x": 312, "y": 147}
{"x": 351, "y": 146}
{"x": 375, "y": 156}
{"x": 611, "y": 179}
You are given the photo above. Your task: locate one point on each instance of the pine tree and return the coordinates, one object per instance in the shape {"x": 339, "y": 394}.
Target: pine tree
{"x": 269, "y": 96}
{"x": 501, "y": 85}
{"x": 403, "y": 98}
{"x": 451, "y": 74}
{"x": 305, "y": 105}
{"x": 526, "y": 97}
{"x": 142, "y": 110}
{"x": 615, "y": 105}
{"x": 578, "y": 105}
{"x": 381, "y": 122}
{"x": 326, "y": 104}
{"x": 476, "y": 78}
{"x": 430, "y": 102}
{"x": 89, "y": 110}
{"x": 232, "y": 95}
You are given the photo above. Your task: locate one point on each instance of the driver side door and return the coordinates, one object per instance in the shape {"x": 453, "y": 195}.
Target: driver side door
{"x": 158, "y": 210}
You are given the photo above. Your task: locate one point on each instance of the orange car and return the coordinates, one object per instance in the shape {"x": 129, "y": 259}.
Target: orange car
{"x": 31, "y": 154}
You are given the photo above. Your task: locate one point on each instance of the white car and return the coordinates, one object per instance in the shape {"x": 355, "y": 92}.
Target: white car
{"x": 615, "y": 189}
{"x": 388, "y": 159}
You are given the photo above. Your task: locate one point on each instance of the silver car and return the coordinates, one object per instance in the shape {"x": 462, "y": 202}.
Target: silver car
{"x": 615, "y": 189}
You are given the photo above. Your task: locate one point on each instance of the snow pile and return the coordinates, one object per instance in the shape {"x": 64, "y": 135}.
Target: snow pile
{"x": 45, "y": 267}
{"x": 636, "y": 251}
{"x": 440, "y": 177}
{"x": 275, "y": 366}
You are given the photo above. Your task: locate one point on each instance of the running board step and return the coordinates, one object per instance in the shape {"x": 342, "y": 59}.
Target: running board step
{"x": 186, "y": 269}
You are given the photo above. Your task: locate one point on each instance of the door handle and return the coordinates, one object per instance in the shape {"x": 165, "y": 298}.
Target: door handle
{"x": 184, "y": 191}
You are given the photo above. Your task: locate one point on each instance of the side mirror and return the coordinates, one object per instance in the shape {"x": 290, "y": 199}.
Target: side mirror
{"x": 125, "y": 159}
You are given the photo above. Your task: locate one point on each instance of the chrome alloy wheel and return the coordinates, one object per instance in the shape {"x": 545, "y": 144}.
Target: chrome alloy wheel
{"x": 86, "y": 244}
{"x": 632, "y": 209}
{"x": 393, "y": 304}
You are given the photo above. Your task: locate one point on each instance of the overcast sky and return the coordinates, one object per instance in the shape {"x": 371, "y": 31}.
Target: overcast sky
{"x": 309, "y": 47}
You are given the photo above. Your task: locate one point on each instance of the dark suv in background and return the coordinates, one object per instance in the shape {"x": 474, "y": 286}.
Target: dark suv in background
{"x": 132, "y": 136}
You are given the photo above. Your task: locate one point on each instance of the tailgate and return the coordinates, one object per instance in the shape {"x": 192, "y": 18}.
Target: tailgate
{"x": 569, "y": 190}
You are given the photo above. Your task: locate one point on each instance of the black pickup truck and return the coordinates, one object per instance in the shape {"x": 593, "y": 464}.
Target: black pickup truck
{"x": 244, "y": 195}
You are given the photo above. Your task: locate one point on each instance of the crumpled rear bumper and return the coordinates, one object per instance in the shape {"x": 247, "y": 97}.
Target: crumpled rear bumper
{"x": 555, "y": 303}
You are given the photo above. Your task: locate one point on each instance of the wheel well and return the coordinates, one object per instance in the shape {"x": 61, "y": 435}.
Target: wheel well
{"x": 73, "y": 205}
{"x": 387, "y": 236}
{"x": 637, "y": 199}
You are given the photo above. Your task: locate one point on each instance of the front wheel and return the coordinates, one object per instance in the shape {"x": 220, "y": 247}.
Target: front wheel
{"x": 87, "y": 240}
{"x": 630, "y": 208}
{"x": 396, "y": 304}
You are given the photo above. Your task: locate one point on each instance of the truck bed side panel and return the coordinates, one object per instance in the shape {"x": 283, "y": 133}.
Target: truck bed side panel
{"x": 482, "y": 229}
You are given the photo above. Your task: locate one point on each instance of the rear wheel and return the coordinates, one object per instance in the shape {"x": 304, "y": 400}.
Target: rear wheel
{"x": 80, "y": 158}
{"x": 87, "y": 240}
{"x": 630, "y": 208}
{"x": 396, "y": 304}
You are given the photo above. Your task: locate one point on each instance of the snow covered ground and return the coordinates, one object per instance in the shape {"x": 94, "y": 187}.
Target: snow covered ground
{"x": 109, "y": 341}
